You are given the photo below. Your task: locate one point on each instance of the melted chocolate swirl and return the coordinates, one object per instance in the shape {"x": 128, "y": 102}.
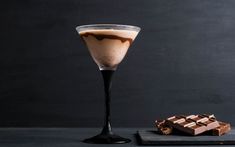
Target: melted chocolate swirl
{"x": 105, "y": 36}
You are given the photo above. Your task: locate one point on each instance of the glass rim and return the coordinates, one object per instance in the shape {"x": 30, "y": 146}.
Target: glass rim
{"x": 107, "y": 26}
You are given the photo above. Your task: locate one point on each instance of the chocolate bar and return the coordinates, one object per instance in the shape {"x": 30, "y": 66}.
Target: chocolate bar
{"x": 193, "y": 124}
{"x": 222, "y": 129}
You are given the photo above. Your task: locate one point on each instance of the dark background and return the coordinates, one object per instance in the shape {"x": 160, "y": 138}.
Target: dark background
{"x": 182, "y": 62}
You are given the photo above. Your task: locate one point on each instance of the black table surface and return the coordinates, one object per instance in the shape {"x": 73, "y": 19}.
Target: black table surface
{"x": 62, "y": 137}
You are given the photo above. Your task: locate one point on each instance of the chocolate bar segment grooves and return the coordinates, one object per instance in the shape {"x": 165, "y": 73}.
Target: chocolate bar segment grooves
{"x": 193, "y": 124}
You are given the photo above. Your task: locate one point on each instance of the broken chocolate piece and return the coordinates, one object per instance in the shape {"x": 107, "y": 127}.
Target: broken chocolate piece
{"x": 222, "y": 129}
{"x": 163, "y": 128}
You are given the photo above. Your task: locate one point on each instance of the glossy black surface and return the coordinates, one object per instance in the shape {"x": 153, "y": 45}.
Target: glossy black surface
{"x": 64, "y": 137}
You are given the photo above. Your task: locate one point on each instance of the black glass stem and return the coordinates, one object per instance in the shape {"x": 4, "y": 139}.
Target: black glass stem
{"x": 107, "y": 77}
{"x": 107, "y": 136}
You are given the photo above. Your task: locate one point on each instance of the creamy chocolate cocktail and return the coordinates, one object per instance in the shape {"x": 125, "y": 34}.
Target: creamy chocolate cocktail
{"x": 108, "y": 46}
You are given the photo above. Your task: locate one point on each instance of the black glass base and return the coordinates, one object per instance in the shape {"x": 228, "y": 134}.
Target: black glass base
{"x": 107, "y": 139}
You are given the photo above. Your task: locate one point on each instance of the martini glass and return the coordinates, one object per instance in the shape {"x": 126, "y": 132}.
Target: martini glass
{"x": 107, "y": 44}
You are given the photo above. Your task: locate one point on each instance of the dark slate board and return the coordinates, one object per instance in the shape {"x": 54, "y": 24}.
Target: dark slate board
{"x": 150, "y": 137}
